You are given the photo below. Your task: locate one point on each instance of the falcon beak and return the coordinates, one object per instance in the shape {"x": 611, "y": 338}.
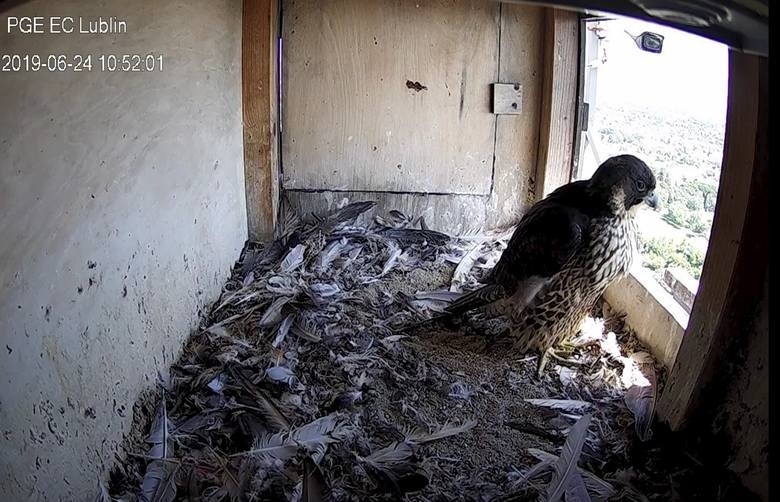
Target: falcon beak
{"x": 652, "y": 200}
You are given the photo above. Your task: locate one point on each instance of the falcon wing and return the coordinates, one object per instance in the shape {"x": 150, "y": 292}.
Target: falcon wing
{"x": 546, "y": 238}
{"x": 541, "y": 245}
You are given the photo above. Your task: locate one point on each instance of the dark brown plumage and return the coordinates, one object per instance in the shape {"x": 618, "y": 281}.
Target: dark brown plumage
{"x": 564, "y": 253}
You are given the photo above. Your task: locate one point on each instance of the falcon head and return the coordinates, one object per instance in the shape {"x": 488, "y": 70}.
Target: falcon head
{"x": 627, "y": 180}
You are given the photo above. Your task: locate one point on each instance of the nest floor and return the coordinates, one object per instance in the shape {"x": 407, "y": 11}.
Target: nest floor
{"x": 304, "y": 383}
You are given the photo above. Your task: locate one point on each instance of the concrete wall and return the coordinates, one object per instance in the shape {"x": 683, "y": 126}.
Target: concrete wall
{"x": 655, "y": 316}
{"x": 121, "y": 211}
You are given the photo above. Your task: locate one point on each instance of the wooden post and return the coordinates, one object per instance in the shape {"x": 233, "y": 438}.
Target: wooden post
{"x": 259, "y": 69}
{"x": 738, "y": 255}
{"x": 559, "y": 101}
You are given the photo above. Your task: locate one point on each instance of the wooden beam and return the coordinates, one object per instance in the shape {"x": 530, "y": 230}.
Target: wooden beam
{"x": 559, "y": 101}
{"x": 259, "y": 60}
{"x": 737, "y": 258}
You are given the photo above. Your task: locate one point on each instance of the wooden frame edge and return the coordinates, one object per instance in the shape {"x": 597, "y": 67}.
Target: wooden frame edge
{"x": 737, "y": 256}
{"x": 259, "y": 87}
{"x": 557, "y": 129}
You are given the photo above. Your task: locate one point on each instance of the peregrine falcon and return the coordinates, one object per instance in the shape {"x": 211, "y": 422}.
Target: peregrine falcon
{"x": 564, "y": 253}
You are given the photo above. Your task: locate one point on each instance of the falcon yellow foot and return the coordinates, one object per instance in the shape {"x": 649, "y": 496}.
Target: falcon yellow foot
{"x": 561, "y": 353}
{"x": 563, "y": 350}
{"x": 543, "y": 359}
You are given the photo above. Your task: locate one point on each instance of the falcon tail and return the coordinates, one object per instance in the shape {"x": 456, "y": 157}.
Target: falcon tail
{"x": 439, "y": 318}
{"x": 469, "y": 301}
{"x": 488, "y": 293}
{"x": 485, "y": 295}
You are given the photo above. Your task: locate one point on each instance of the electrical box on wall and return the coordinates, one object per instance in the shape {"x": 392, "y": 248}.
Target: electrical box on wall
{"x": 507, "y": 99}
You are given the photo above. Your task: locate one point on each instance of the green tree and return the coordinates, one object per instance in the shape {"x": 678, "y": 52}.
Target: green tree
{"x": 659, "y": 253}
{"x": 708, "y": 191}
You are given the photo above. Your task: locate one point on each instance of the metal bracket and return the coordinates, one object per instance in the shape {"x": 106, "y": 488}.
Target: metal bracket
{"x": 507, "y": 99}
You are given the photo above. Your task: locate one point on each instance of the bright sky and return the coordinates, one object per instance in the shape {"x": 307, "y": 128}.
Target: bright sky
{"x": 689, "y": 76}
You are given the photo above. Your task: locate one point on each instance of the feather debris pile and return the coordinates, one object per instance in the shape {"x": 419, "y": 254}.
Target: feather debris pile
{"x": 296, "y": 387}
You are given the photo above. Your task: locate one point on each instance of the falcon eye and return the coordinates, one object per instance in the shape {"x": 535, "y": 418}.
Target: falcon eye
{"x": 640, "y": 185}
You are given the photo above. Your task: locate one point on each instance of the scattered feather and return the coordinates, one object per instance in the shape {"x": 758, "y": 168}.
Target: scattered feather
{"x": 266, "y": 406}
{"x": 159, "y": 436}
{"x": 217, "y": 383}
{"x": 313, "y": 437}
{"x": 394, "y": 253}
{"x": 571, "y": 405}
{"x": 249, "y": 279}
{"x": 284, "y": 329}
{"x": 411, "y": 235}
{"x": 566, "y": 466}
{"x": 575, "y": 489}
{"x": 324, "y": 291}
{"x": 159, "y": 483}
{"x": 345, "y": 400}
{"x": 314, "y": 487}
{"x": 394, "y": 469}
{"x": 600, "y": 488}
{"x": 640, "y": 398}
{"x": 330, "y": 254}
{"x": 306, "y": 329}
{"x": 419, "y": 436}
{"x": 280, "y": 374}
{"x": 464, "y": 267}
{"x": 460, "y": 391}
{"x": 293, "y": 260}
{"x": 273, "y": 315}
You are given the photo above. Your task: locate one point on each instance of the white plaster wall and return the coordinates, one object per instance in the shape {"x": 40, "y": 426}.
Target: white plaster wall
{"x": 121, "y": 211}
